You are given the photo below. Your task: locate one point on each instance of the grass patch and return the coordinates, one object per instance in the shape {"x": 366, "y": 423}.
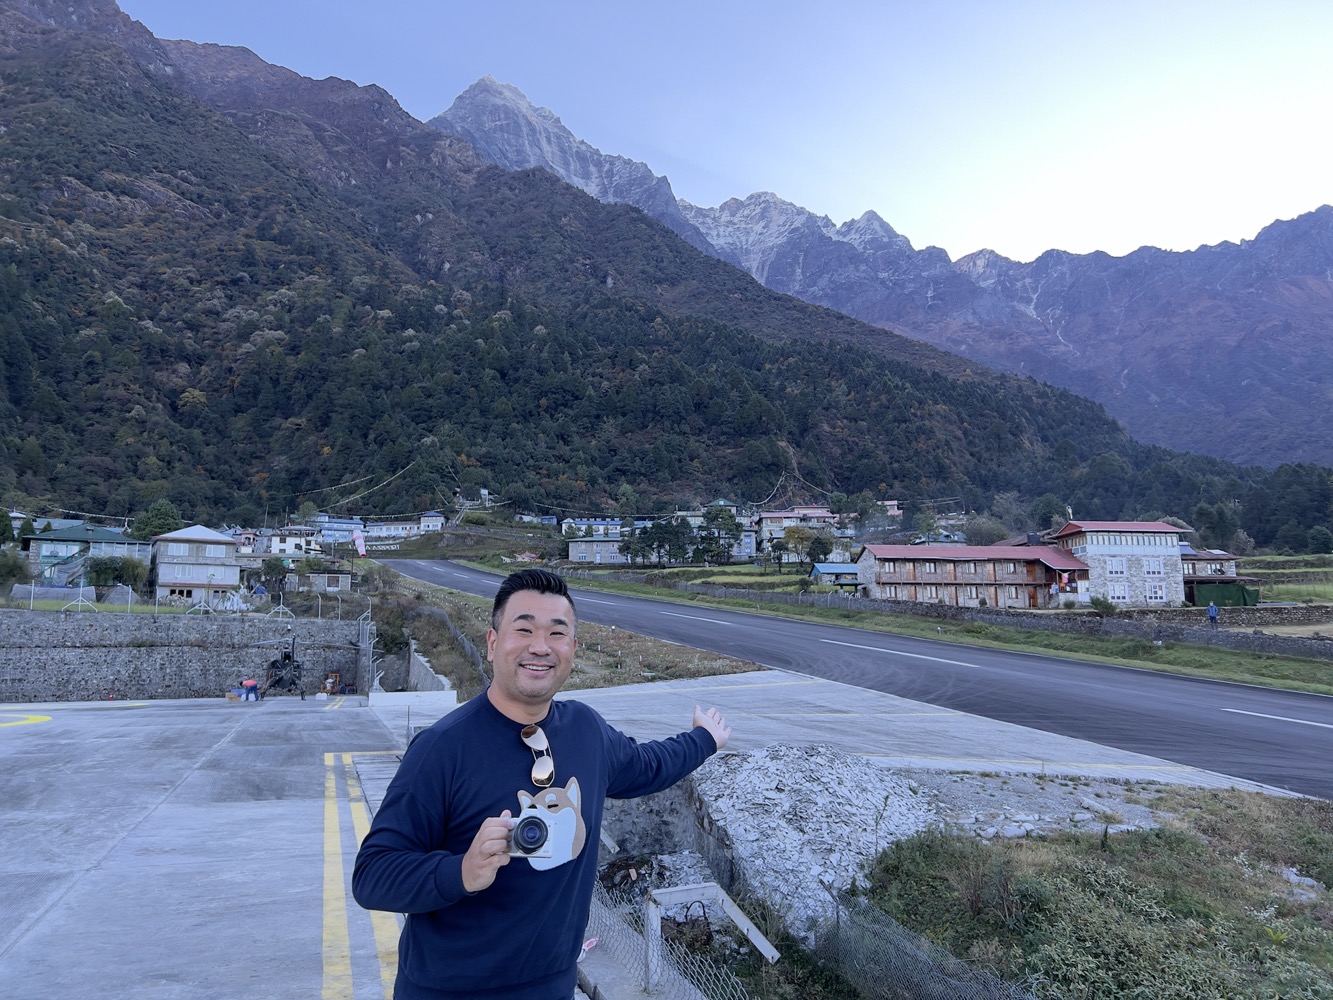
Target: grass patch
{"x": 1303, "y": 592}
{"x": 111, "y": 609}
{"x": 1194, "y": 908}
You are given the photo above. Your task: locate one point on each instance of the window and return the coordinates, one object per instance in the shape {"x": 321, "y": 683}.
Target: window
{"x": 216, "y": 552}
{"x": 970, "y": 593}
{"x": 891, "y": 593}
{"x": 1011, "y": 567}
{"x": 927, "y": 567}
{"x": 1011, "y": 593}
{"x": 1118, "y": 592}
{"x": 177, "y": 549}
{"x": 1115, "y": 566}
{"x": 1152, "y": 566}
{"x": 968, "y": 567}
{"x": 1157, "y": 592}
{"x": 932, "y": 593}
{"x": 890, "y": 566}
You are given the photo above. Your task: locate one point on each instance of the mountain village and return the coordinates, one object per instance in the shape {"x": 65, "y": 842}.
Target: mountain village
{"x": 1132, "y": 564}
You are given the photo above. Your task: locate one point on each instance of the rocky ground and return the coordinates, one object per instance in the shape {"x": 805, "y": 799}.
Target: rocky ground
{"x": 803, "y": 818}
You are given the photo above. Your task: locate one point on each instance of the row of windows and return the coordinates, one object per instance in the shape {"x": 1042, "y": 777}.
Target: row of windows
{"x": 930, "y": 566}
{"x": 932, "y": 593}
{"x": 1119, "y": 539}
{"x": 198, "y": 573}
{"x": 1119, "y": 566}
{"x": 183, "y": 549}
{"x": 1120, "y": 592}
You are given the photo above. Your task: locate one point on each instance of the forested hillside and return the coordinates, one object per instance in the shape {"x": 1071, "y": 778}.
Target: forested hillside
{"x": 204, "y": 307}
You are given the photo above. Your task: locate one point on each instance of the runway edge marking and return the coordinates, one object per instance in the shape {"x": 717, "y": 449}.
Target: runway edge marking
{"x": 385, "y": 925}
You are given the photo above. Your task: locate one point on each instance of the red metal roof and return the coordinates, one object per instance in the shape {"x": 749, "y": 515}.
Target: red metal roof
{"x": 1074, "y": 527}
{"x": 1046, "y": 554}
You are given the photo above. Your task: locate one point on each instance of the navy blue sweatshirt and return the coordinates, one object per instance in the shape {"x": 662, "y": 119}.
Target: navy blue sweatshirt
{"x": 519, "y": 938}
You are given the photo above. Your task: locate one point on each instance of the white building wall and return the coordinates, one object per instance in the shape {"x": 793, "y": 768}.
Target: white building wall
{"x": 1140, "y": 570}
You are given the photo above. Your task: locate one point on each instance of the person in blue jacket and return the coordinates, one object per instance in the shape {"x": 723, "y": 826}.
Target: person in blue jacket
{"x": 487, "y": 836}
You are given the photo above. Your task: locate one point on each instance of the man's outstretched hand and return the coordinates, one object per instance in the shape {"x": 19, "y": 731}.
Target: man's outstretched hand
{"x": 713, "y": 722}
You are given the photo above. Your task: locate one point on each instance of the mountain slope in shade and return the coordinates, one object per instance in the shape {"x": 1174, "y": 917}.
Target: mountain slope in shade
{"x": 1223, "y": 350}
{"x": 230, "y": 283}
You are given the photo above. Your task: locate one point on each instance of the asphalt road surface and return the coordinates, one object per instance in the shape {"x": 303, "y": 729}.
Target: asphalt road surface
{"x": 1280, "y": 738}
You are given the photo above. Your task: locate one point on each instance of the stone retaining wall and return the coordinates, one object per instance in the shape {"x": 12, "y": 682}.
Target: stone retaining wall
{"x": 89, "y": 656}
{"x": 421, "y": 676}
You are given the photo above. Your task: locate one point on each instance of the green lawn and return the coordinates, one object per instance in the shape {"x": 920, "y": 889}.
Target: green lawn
{"x": 99, "y": 607}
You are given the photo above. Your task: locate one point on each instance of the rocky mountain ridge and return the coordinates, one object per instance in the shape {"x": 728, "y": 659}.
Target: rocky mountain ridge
{"x": 1221, "y": 350}
{"x": 517, "y": 135}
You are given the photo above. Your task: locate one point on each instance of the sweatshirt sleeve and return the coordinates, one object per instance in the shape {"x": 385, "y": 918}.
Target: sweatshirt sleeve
{"x": 645, "y": 768}
{"x": 397, "y": 868}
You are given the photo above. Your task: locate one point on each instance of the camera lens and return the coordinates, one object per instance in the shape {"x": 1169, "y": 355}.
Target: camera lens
{"x": 530, "y": 834}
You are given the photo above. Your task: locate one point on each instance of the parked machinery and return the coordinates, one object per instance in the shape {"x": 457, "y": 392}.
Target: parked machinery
{"x": 284, "y": 671}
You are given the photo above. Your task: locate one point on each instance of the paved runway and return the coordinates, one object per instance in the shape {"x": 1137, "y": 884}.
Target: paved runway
{"x": 204, "y": 848}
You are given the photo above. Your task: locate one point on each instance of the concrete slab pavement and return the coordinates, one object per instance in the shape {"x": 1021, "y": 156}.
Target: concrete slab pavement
{"x": 204, "y": 848}
{"x": 185, "y": 849}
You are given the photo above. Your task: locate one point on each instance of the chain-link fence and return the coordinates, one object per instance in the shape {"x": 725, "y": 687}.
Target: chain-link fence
{"x": 886, "y": 961}
{"x": 617, "y": 921}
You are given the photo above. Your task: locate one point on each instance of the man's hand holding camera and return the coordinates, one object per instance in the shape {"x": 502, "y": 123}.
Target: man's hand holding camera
{"x": 489, "y": 852}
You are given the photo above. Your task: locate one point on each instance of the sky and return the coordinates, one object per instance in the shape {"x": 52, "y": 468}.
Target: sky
{"x": 965, "y": 124}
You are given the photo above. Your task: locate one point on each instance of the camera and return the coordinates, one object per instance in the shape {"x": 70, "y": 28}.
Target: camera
{"x": 528, "y": 838}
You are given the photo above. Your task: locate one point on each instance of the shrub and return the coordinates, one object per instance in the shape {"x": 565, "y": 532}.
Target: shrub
{"x": 13, "y": 567}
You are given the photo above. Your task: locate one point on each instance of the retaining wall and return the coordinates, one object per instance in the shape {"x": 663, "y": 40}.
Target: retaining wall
{"x": 89, "y": 656}
{"x": 421, "y": 676}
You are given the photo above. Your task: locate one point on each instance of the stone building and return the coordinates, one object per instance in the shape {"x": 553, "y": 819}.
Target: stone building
{"x": 1130, "y": 563}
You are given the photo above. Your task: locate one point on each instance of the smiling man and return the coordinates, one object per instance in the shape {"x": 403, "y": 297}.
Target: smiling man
{"x": 487, "y": 837}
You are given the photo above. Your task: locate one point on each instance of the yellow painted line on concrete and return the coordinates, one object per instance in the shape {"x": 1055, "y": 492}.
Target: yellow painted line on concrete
{"x": 385, "y": 925}
{"x": 22, "y": 720}
{"x": 336, "y": 704}
{"x": 337, "y": 946}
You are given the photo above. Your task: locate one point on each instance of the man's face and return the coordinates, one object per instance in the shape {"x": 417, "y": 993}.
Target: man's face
{"x": 531, "y": 653}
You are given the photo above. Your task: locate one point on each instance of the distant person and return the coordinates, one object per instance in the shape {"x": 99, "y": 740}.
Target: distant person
{"x": 470, "y": 789}
{"x": 1212, "y": 614}
{"x": 250, "y": 687}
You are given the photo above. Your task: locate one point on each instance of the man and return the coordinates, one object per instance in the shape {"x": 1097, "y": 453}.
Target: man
{"x": 1212, "y": 614}
{"x": 482, "y": 922}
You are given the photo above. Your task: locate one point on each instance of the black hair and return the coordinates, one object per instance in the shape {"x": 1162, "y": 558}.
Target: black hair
{"x": 543, "y": 581}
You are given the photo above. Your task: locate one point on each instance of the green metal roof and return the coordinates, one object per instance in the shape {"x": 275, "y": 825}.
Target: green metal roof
{"x": 84, "y": 533}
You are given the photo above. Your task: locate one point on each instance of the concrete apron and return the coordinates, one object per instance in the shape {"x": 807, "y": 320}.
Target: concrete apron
{"x": 197, "y": 848}
{"x": 203, "y": 848}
